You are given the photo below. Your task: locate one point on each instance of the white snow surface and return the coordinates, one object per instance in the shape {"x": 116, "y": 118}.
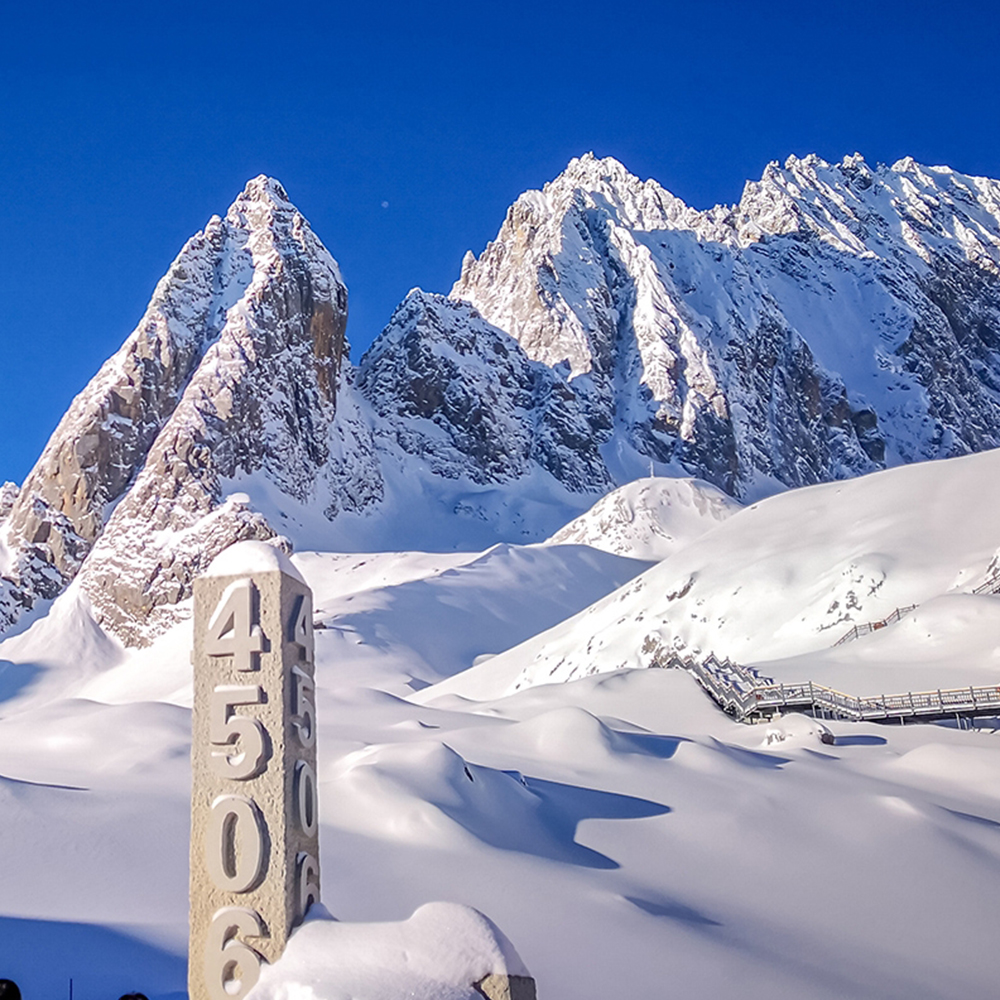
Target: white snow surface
{"x": 438, "y": 954}
{"x": 628, "y": 838}
{"x": 649, "y": 518}
{"x": 777, "y": 584}
{"x": 252, "y": 556}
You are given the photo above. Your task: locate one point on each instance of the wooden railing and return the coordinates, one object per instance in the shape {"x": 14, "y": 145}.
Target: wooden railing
{"x": 991, "y": 586}
{"x": 865, "y": 627}
{"x": 747, "y": 696}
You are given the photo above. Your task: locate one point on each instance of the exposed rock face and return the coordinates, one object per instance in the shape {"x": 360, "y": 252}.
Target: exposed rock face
{"x": 463, "y": 396}
{"x": 836, "y": 318}
{"x": 235, "y": 369}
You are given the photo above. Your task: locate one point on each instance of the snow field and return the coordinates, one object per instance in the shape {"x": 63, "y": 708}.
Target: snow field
{"x": 628, "y": 838}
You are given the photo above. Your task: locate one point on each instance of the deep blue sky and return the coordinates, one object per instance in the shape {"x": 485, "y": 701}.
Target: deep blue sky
{"x": 123, "y": 127}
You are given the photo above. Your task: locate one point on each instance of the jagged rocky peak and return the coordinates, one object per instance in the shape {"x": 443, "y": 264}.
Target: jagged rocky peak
{"x": 462, "y": 396}
{"x": 520, "y": 283}
{"x": 8, "y": 494}
{"x": 233, "y": 370}
{"x": 839, "y": 317}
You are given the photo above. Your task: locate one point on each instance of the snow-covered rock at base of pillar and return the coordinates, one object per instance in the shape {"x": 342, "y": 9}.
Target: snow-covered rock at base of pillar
{"x": 649, "y": 518}
{"x": 440, "y": 953}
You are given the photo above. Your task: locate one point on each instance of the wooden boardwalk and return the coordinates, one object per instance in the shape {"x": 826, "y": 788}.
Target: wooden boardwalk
{"x": 991, "y": 586}
{"x": 750, "y": 697}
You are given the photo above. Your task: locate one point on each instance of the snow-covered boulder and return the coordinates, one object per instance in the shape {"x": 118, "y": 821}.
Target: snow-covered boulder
{"x": 649, "y": 518}
{"x": 445, "y": 951}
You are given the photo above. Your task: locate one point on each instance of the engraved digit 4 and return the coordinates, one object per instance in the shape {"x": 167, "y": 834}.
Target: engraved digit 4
{"x": 233, "y": 629}
{"x": 300, "y": 628}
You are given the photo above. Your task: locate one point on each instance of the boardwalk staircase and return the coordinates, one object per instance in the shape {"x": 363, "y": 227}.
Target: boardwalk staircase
{"x": 751, "y": 697}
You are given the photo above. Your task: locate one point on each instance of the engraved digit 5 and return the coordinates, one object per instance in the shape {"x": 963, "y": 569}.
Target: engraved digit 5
{"x": 303, "y": 709}
{"x": 226, "y": 728}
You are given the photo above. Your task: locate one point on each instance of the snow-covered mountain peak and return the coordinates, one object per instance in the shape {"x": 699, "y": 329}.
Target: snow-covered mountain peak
{"x": 649, "y": 518}
{"x": 234, "y": 370}
{"x": 263, "y": 189}
{"x": 837, "y": 319}
{"x": 906, "y": 210}
{"x": 689, "y": 330}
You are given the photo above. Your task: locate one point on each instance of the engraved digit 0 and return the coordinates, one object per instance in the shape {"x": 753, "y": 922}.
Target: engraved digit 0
{"x": 305, "y": 799}
{"x": 234, "y": 844}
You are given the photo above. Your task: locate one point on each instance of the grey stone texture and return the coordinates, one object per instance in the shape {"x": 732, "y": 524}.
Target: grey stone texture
{"x": 497, "y": 987}
{"x": 279, "y": 602}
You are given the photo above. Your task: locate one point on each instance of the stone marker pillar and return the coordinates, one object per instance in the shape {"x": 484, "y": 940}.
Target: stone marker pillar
{"x": 254, "y": 804}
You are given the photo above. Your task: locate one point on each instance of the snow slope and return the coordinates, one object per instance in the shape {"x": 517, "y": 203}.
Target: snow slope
{"x": 777, "y": 584}
{"x": 649, "y": 518}
{"x": 623, "y": 833}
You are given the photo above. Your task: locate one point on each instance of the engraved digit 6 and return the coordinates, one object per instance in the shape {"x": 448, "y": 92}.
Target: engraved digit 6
{"x": 308, "y": 881}
{"x": 224, "y": 954}
{"x": 234, "y": 844}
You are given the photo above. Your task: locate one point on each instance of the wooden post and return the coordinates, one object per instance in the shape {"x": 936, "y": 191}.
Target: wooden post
{"x": 254, "y": 804}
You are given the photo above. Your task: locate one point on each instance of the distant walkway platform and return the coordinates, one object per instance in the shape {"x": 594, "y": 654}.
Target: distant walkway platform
{"x": 750, "y": 697}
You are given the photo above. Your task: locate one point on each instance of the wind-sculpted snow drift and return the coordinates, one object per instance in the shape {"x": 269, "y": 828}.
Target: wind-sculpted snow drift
{"x": 839, "y": 318}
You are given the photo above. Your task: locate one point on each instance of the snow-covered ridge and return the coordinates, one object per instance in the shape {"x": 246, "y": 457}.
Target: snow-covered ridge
{"x": 838, "y": 319}
{"x": 778, "y": 583}
{"x": 649, "y": 518}
{"x": 236, "y": 366}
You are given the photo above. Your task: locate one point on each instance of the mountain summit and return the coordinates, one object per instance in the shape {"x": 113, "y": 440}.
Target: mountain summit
{"x": 235, "y": 368}
{"x": 838, "y": 319}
